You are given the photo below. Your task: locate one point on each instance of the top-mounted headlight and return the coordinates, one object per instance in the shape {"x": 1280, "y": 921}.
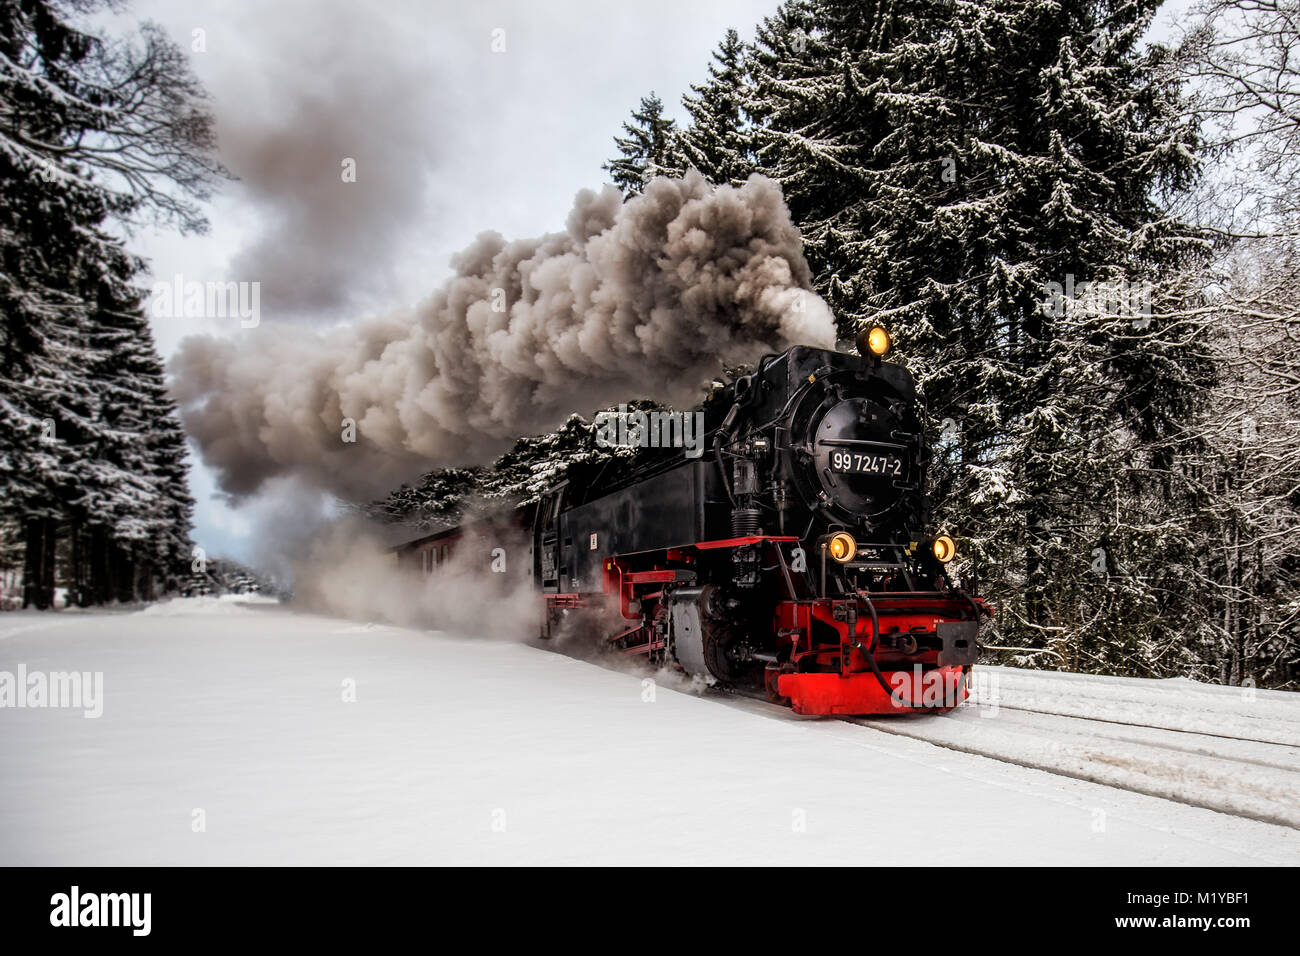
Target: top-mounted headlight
{"x": 873, "y": 342}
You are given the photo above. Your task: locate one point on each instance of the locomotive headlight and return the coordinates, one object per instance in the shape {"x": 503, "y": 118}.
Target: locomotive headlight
{"x": 842, "y": 547}
{"x": 878, "y": 341}
{"x": 944, "y": 548}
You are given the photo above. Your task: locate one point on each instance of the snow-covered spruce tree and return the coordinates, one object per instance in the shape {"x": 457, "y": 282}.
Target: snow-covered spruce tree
{"x": 38, "y": 223}
{"x": 962, "y": 173}
{"x": 648, "y": 150}
{"x": 224, "y": 576}
{"x": 90, "y": 132}
{"x": 432, "y": 503}
{"x": 144, "y": 537}
{"x": 521, "y": 475}
{"x": 47, "y": 454}
{"x": 718, "y": 141}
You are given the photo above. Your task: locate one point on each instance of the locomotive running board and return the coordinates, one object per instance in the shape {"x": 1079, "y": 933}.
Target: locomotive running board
{"x": 745, "y": 541}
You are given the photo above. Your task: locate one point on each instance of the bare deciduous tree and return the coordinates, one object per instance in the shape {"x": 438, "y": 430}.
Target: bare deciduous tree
{"x": 130, "y": 121}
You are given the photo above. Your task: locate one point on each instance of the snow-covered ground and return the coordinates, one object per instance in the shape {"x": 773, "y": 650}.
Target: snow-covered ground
{"x": 239, "y": 733}
{"x": 1225, "y": 748}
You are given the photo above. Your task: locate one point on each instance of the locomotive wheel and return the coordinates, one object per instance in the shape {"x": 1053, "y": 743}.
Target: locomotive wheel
{"x": 719, "y": 640}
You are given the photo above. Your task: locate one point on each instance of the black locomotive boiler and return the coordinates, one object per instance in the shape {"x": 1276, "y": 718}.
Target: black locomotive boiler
{"x": 793, "y": 557}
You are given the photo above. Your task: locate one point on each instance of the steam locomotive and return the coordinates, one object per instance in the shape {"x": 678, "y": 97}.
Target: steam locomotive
{"x": 791, "y": 559}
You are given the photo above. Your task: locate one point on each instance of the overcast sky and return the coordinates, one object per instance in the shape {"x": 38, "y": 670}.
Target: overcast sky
{"x": 449, "y": 138}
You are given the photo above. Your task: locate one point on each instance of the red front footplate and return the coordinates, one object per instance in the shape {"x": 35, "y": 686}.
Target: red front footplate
{"x": 932, "y": 691}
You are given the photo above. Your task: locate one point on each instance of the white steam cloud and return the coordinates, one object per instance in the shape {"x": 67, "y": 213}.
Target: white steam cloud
{"x": 647, "y": 299}
{"x": 348, "y": 572}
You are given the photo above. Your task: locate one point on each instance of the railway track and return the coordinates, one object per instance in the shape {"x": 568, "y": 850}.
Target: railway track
{"x": 1161, "y": 727}
{"x": 1250, "y": 777}
{"x": 1254, "y": 777}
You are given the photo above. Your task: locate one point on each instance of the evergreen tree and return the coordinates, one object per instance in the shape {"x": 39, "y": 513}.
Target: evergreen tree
{"x": 91, "y": 132}
{"x": 648, "y": 149}
{"x": 223, "y": 576}
{"x": 718, "y": 141}
{"x": 521, "y": 475}
{"x": 987, "y": 182}
{"x": 434, "y": 502}
{"x": 149, "y": 530}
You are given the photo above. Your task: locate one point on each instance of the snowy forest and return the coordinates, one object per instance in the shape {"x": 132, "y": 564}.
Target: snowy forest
{"x": 1083, "y": 243}
{"x": 97, "y": 137}
{"x": 1085, "y": 247}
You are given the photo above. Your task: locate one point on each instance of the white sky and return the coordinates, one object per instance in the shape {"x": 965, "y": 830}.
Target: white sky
{"x": 450, "y": 139}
